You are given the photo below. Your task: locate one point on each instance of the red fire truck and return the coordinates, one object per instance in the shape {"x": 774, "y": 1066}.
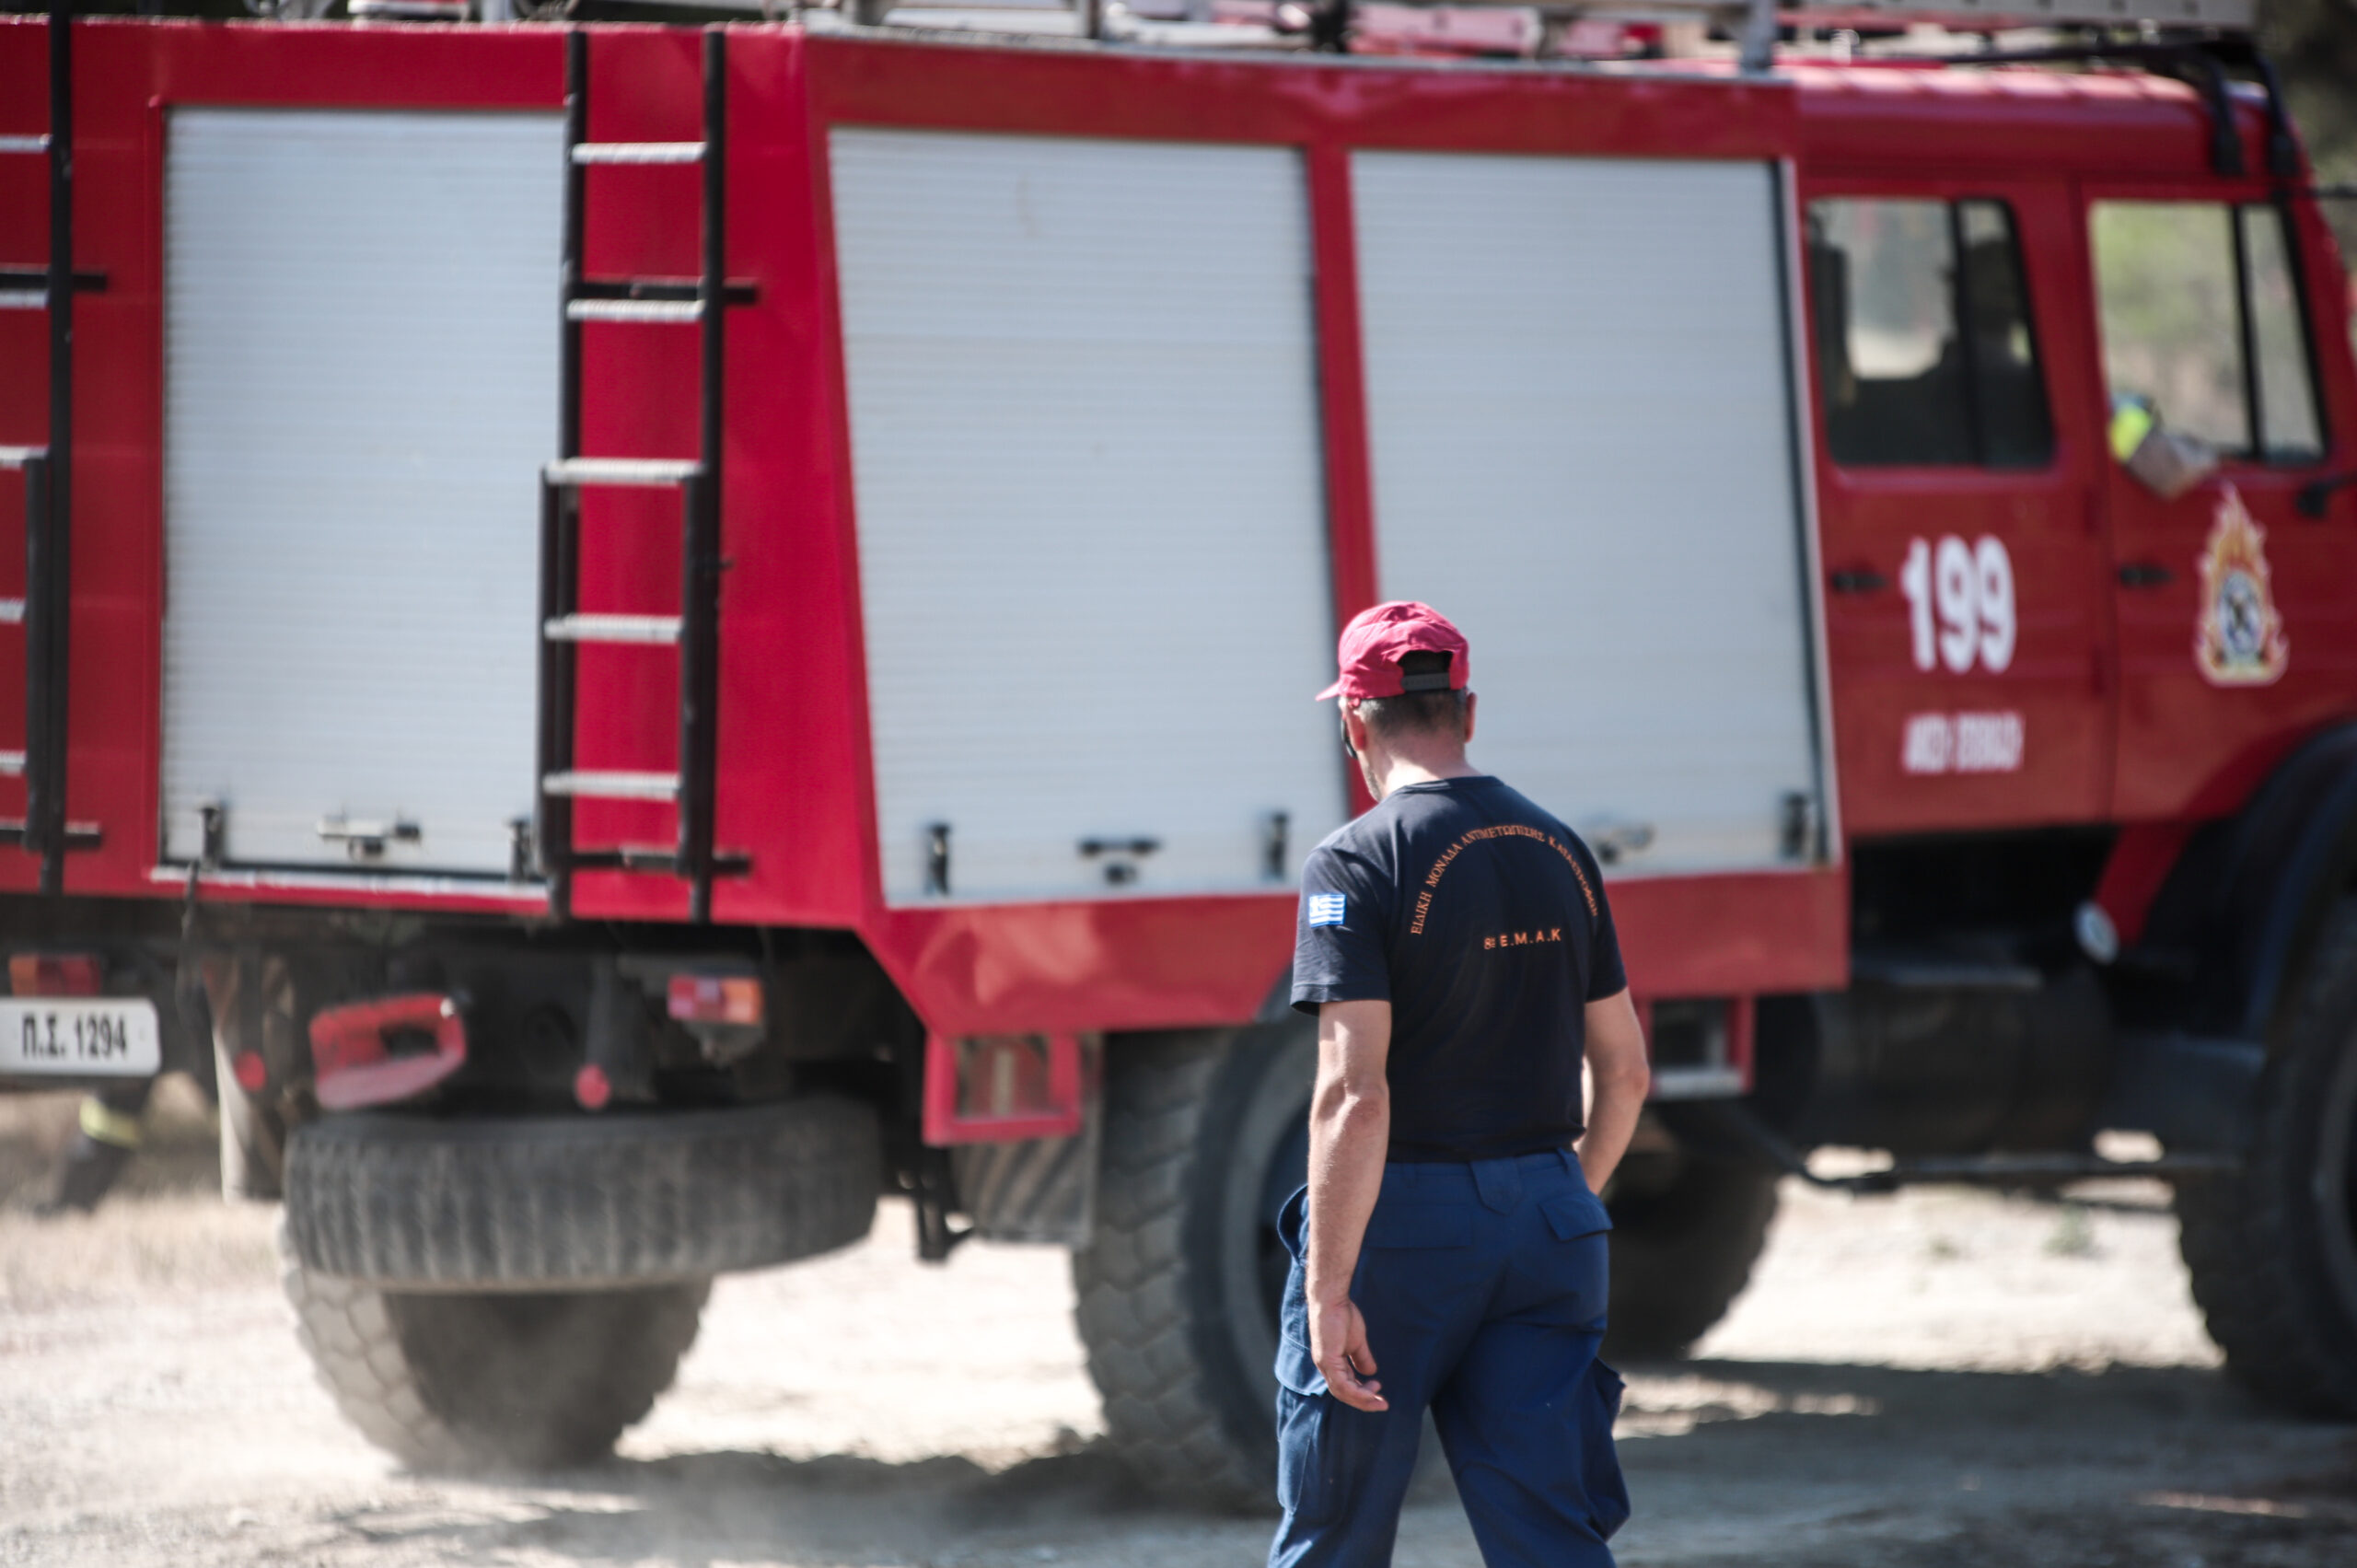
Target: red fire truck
{"x": 658, "y": 632}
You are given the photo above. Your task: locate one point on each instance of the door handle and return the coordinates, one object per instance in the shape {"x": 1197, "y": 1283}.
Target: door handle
{"x": 2315, "y": 496}
{"x": 1858, "y": 581}
{"x": 1120, "y": 856}
{"x": 366, "y": 840}
{"x": 2145, "y": 574}
{"x": 1610, "y": 841}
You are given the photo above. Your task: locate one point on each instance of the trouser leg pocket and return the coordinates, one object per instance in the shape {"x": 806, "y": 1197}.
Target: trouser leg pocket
{"x": 1600, "y": 1477}
{"x": 1315, "y": 1473}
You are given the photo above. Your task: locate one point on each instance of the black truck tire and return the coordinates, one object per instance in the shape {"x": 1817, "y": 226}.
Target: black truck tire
{"x": 2273, "y": 1249}
{"x": 1684, "y": 1233}
{"x": 1205, "y": 1136}
{"x": 579, "y": 1202}
{"x": 512, "y": 1379}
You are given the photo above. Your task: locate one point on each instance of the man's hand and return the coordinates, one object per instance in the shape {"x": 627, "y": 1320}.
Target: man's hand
{"x": 1338, "y": 1343}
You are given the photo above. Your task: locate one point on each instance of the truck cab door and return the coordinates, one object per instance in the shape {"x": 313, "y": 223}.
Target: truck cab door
{"x": 2227, "y": 598}
{"x": 1957, "y": 504}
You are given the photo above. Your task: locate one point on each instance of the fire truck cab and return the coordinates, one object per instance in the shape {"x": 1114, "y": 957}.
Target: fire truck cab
{"x": 654, "y": 633}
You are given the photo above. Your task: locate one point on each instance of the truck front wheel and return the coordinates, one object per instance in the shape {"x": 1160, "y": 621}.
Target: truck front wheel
{"x": 1206, "y": 1134}
{"x": 2273, "y": 1249}
{"x": 1684, "y": 1233}
{"x": 525, "y": 1381}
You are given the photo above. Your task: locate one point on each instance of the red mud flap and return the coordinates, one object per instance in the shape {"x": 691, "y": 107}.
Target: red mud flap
{"x": 995, "y": 1089}
{"x": 387, "y": 1051}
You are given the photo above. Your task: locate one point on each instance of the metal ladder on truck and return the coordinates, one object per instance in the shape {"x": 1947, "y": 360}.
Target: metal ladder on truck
{"x": 44, "y": 613}
{"x": 700, "y": 301}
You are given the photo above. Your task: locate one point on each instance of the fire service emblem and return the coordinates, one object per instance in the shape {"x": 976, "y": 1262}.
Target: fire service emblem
{"x": 2239, "y": 640}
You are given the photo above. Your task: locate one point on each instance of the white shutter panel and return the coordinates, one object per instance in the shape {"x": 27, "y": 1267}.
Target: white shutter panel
{"x": 1092, "y": 539}
{"x": 1580, "y": 406}
{"x": 361, "y": 387}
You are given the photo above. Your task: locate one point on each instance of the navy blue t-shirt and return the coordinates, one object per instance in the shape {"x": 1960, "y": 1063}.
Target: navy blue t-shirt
{"x": 1481, "y": 920}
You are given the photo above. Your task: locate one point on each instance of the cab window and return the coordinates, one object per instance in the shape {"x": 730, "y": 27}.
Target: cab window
{"x": 1922, "y": 360}
{"x": 2202, "y": 319}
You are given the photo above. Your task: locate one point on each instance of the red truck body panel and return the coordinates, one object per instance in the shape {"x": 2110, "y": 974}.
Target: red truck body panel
{"x": 795, "y": 785}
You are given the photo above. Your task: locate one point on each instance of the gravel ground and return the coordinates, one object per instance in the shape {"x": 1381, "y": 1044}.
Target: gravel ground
{"x": 1936, "y": 1380}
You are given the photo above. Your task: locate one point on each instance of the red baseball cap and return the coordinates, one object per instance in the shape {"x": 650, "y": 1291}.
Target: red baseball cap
{"x": 1375, "y": 641}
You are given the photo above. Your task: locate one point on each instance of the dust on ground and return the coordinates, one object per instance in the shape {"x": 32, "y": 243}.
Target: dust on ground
{"x": 1942, "y": 1379}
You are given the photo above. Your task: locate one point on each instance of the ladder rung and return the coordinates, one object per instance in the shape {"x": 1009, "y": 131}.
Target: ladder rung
{"x": 613, "y": 786}
{"x": 633, "y": 309}
{"x": 17, "y": 457}
{"x": 612, "y": 629}
{"x": 12, "y": 764}
{"x": 24, "y": 144}
{"x": 638, "y": 152}
{"x": 622, "y": 470}
{"x": 24, "y": 298}
{"x": 12, "y": 611}
{"x": 629, "y": 857}
{"x": 739, "y": 292}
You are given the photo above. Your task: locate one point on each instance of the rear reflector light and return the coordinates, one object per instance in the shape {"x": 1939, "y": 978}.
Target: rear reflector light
{"x": 716, "y": 999}
{"x": 55, "y": 974}
{"x": 592, "y": 1090}
{"x": 387, "y": 1051}
{"x": 250, "y": 1071}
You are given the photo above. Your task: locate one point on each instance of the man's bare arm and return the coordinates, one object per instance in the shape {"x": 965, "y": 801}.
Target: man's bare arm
{"x": 1616, "y": 1059}
{"x": 1350, "y": 1134}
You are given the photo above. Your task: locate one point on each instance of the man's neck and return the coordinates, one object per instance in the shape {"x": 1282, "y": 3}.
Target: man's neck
{"x": 1396, "y": 769}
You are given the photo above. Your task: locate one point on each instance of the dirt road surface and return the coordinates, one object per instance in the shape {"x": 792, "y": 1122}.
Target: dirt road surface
{"x": 1938, "y": 1380}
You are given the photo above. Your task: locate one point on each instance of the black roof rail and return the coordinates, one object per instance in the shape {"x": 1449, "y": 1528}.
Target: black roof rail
{"x": 2201, "y": 61}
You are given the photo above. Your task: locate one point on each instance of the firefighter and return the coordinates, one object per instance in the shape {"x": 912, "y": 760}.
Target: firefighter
{"x": 102, "y": 1146}
{"x": 1455, "y": 947}
{"x": 112, "y": 1120}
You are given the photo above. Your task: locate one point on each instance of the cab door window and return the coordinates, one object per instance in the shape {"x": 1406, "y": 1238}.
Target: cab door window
{"x": 1922, "y": 360}
{"x": 2202, "y": 319}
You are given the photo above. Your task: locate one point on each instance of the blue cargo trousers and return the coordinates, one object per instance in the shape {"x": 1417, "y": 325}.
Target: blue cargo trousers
{"x": 1484, "y": 1290}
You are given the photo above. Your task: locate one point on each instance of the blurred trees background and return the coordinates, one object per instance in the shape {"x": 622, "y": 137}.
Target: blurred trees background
{"x": 2313, "y": 43}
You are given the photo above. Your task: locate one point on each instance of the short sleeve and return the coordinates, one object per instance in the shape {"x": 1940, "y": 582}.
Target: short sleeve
{"x": 1606, "y": 976}
{"x": 1338, "y": 934}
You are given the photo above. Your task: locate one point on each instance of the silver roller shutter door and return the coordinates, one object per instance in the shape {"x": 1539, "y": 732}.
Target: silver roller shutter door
{"x": 361, "y": 387}
{"x": 1091, "y": 531}
{"x": 1580, "y": 409}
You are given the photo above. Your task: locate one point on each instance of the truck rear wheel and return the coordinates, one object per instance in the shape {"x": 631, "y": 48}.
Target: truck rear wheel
{"x": 1684, "y": 1233}
{"x": 1206, "y": 1134}
{"x": 527, "y": 1380}
{"x": 2273, "y": 1249}
{"x": 517, "y": 1290}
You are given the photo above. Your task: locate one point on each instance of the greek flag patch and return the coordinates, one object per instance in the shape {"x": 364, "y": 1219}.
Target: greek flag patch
{"x": 1326, "y": 909}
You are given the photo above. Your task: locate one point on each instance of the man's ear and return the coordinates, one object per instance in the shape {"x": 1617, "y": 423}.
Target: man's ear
{"x": 1354, "y": 726}
{"x": 1470, "y": 701}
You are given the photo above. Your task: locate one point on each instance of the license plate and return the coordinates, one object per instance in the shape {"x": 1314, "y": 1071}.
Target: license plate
{"x": 95, "y": 1037}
